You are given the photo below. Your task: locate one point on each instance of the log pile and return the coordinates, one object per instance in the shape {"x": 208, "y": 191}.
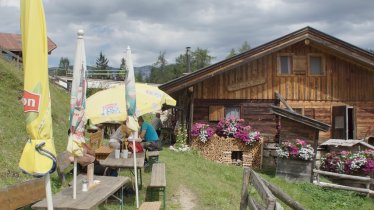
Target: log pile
{"x": 220, "y": 148}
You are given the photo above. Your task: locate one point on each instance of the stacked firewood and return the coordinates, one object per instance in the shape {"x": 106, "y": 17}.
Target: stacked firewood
{"x": 220, "y": 148}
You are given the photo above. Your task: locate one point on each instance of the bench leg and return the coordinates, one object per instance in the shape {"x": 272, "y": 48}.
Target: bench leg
{"x": 164, "y": 199}
{"x": 141, "y": 178}
{"x": 121, "y": 207}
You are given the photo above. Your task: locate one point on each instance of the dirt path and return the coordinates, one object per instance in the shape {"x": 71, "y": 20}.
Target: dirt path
{"x": 187, "y": 198}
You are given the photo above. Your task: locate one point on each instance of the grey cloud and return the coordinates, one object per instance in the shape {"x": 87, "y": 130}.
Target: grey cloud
{"x": 170, "y": 25}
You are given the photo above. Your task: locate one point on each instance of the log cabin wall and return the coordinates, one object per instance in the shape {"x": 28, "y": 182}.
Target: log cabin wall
{"x": 291, "y": 130}
{"x": 342, "y": 83}
{"x": 255, "y": 112}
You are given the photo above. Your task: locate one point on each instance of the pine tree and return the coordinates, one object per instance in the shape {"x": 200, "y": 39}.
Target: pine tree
{"x": 102, "y": 64}
{"x": 122, "y": 70}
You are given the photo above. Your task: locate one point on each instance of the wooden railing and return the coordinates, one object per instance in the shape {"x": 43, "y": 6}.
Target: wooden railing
{"x": 367, "y": 181}
{"x": 267, "y": 192}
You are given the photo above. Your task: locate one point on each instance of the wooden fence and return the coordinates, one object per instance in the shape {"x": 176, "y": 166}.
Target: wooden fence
{"x": 267, "y": 192}
{"x": 367, "y": 181}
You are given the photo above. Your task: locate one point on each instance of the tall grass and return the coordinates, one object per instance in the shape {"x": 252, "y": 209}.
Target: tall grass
{"x": 13, "y": 134}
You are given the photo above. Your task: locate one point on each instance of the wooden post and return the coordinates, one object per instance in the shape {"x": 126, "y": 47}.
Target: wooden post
{"x": 315, "y": 146}
{"x": 244, "y": 194}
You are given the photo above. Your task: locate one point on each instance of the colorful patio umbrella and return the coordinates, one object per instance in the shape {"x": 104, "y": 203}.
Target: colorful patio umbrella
{"x": 78, "y": 105}
{"x": 131, "y": 122}
{"x": 38, "y": 157}
{"x": 110, "y": 106}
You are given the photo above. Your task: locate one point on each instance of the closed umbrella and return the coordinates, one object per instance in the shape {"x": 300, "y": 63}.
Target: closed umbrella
{"x": 109, "y": 105}
{"x": 38, "y": 157}
{"x": 130, "y": 92}
{"x": 77, "y": 106}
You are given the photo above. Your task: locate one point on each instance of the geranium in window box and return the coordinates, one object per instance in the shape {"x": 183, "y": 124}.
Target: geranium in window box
{"x": 299, "y": 150}
{"x": 295, "y": 161}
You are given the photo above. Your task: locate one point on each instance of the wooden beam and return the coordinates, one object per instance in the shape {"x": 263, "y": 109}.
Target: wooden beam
{"x": 283, "y": 196}
{"x": 342, "y": 187}
{"x": 284, "y": 102}
{"x": 263, "y": 191}
{"x": 345, "y": 176}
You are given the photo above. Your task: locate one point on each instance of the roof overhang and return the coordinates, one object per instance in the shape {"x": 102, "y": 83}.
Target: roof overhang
{"x": 300, "y": 118}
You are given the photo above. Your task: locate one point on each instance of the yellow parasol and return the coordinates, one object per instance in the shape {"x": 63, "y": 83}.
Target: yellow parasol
{"x": 39, "y": 155}
{"x": 110, "y": 105}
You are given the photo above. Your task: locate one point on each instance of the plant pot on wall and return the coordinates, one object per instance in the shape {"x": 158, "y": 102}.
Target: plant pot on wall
{"x": 294, "y": 169}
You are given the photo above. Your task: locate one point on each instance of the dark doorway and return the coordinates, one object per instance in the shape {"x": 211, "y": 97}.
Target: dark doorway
{"x": 343, "y": 123}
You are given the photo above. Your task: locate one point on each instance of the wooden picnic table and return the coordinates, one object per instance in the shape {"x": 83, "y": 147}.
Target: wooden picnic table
{"x": 126, "y": 163}
{"x": 86, "y": 200}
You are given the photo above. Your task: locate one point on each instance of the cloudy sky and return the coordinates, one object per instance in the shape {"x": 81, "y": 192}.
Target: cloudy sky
{"x": 149, "y": 27}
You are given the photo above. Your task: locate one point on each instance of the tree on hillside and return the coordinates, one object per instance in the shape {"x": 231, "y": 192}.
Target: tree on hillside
{"x": 158, "y": 69}
{"x": 200, "y": 58}
{"x": 245, "y": 47}
{"x": 231, "y": 54}
{"x": 122, "y": 70}
{"x": 138, "y": 77}
{"x": 102, "y": 64}
{"x": 63, "y": 67}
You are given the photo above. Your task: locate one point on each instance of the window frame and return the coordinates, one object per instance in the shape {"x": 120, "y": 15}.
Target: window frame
{"x": 236, "y": 107}
{"x": 323, "y": 68}
{"x": 290, "y": 64}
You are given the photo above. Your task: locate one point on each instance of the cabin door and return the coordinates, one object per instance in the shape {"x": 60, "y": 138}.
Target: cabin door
{"x": 343, "y": 124}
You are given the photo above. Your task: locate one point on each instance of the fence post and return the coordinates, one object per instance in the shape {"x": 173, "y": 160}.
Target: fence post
{"x": 244, "y": 194}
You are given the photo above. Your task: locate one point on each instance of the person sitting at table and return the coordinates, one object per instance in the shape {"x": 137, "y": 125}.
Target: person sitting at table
{"x": 117, "y": 138}
{"x": 88, "y": 158}
{"x": 149, "y": 135}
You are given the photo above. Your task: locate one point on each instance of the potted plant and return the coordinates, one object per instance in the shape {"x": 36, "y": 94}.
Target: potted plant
{"x": 294, "y": 160}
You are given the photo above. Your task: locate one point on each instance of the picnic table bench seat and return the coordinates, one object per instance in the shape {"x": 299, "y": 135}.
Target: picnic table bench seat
{"x": 158, "y": 180}
{"x": 152, "y": 157}
{"x": 155, "y": 205}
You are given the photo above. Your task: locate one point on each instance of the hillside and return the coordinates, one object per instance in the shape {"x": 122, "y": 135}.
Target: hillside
{"x": 12, "y": 122}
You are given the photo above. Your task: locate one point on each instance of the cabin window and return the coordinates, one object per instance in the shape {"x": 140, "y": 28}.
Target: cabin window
{"x": 232, "y": 112}
{"x": 316, "y": 65}
{"x": 284, "y": 64}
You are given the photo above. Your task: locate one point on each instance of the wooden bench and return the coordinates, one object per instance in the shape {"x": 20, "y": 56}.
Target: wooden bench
{"x": 152, "y": 157}
{"x": 22, "y": 194}
{"x": 158, "y": 180}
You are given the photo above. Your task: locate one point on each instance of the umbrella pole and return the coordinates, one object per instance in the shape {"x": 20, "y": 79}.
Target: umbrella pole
{"x": 48, "y": 191}
{"x": 75, "y": 179}
{"x": 135, "y": 136}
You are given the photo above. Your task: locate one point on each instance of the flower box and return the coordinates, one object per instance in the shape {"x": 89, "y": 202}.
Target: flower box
{"x": 294, "y": 169}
